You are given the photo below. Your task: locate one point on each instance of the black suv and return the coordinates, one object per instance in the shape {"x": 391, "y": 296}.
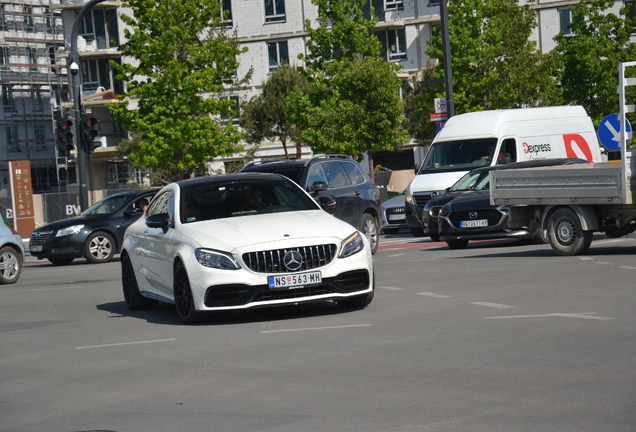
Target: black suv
{"x": 357, "y": 198}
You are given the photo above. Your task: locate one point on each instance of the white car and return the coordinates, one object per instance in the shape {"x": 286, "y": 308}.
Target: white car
{"x": 241, "y": 241}
{"x": 11, "y": 254}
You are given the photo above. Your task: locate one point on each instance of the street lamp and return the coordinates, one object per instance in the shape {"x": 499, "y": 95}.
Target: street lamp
{"x": 448, "y": 70}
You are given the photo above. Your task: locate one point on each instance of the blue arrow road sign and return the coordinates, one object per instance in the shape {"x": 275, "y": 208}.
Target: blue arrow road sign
{"x": 609, "y": 131}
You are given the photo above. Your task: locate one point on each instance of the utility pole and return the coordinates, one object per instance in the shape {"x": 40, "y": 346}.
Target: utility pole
{"x": 73, "y": 65}
{"x": 448, "y": 70}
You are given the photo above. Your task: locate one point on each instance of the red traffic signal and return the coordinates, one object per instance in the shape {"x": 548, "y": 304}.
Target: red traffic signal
{"x": 89, "y": 133}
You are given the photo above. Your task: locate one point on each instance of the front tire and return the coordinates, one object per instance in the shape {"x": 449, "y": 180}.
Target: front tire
{"x": 370, "y": 229}
{"x": 10, "y": 265}
{"x": 434, "y": 236}
{"x": 361, "y": 301}
{"x": 566, "y": 234}
{"x": 99, "y": 248}
{"x": 417, "y": 232}
{"x": 183, "y": 299}
{"x": 133, "y": 298}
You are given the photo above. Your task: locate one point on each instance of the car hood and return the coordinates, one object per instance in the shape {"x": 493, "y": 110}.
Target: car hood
{"x": 64, "y": 223}
{"x": 471, "y": 201}
{"x": 243, "y": 231}
{"x": 396, "y": 201}
{"x": 434, "y": 182}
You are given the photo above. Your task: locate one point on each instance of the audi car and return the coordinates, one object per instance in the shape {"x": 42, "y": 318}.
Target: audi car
{"x": 96, "y": 234}
{"x": 242, "y": 241}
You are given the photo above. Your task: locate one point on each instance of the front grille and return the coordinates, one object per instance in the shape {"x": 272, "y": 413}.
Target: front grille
{"x": 40, "y": 237}
{"x": 393, "y": 211}
{"x": 272, "y": 261}
{"x": 492, "y": 215}
{"x": 422, "y": 198}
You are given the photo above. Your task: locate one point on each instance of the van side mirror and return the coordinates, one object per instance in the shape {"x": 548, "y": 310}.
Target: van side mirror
{"x": 160, "y": 220}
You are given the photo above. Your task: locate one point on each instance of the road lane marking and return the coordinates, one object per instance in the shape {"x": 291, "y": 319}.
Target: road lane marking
{"x": 492, "y": 305}
{"x": 315, "y": 328}
{"x": 627, "y": 267}
{"x": 390, "y": 288}
{"x": 586, "y": 258}
{"x": 125, "y": 343}
{"x": 601, "y": 262}
{"x": 396, "y": 255}
{"x": 49, "y": 289}
{"x": 433, "y": 295}
{"x": 582, "y": 315}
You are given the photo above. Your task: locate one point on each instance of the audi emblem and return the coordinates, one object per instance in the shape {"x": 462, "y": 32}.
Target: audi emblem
{"x": 293, "y": 260}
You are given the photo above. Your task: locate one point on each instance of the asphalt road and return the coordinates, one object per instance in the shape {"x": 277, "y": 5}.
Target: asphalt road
{"x": 499, "y": 337}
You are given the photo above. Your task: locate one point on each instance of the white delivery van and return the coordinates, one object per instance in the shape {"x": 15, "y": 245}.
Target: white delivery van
{"x": 472, "y": 140}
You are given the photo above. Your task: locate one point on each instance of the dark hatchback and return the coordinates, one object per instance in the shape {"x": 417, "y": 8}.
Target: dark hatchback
{"x": 338, "y": 178}
{"x": 468, "y": 215}
{"x": 96, "y": 234}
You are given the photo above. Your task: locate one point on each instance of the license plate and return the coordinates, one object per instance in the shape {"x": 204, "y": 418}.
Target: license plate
{"x": 292, "y": 281}
{"x": 37, "y": 248}
{"x": 474, "y": 223}
{"x": 395, "y": 217}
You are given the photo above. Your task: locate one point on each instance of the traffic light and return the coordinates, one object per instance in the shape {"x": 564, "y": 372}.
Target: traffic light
{"x": 89, "y": 133}
{"x": 64, "y": 136}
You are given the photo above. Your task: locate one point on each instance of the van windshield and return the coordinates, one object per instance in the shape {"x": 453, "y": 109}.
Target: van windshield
{"x": 459, "y": 155}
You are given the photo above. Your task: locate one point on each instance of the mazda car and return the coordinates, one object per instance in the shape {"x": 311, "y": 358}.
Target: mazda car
{"x": 241, "y": 241}
{"x": 96, "y": 234}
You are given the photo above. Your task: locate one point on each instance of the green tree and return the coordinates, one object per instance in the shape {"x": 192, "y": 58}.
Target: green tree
{"x": 353, "y": 105}
{"x": 264, "y": 115}
{"x": 590, "y": 55}
{"x": 418, "y": 106}
{"x": 184, "y": 60}
{"x": 495, "y": 64}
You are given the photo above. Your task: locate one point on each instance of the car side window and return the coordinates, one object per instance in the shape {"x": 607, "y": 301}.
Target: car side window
{"x": 163, "y": 203}
{"x": 336, "y": 174}
{"x": 316, "y": 173}
{"x": 354, "y": 173}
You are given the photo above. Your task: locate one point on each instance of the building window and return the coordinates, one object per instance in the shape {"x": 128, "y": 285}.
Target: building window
{"x": 36, "y": 99}
{"x": 100, "y": 25}
{"x": 12, "y": 139}
{"x": 40, "y": 140}
{"x": 433, "y": 2}
{"x": 278, "y": 54}
{"x": 274, "y": 10}
{"x": 234, "y": 117}
{"x": 226, "y": 12}
{"x": 379, "y": 8}
{"x": 565, "y": 19}
{"x": 7, "y": 98}
{"x": 393, "y": 44}
{"x": 5, "y": 56}
{"x": 393, "y": 5}
{"x": 32, "y": 59}
{"x": 28, "y": 18}
{"x": 48, "y": 20}
{"x": 3, "y": 23}
{"x": 631, "y": 13}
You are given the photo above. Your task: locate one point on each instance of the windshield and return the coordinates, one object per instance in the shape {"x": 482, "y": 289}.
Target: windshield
{"x": 108, "y": 206}
{"x": 460, "y": 155}
{"x": 472, "y": 181}
{"x": 223, "y": 200}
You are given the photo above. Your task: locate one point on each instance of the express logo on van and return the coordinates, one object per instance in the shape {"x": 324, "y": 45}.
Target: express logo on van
{"x": 536, "y": 148}
{"x": 577, "y": 147}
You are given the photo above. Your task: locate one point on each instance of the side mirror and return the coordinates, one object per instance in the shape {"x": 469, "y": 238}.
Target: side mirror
{"x": 327, "y": 204}
{"x": 160, "y": 220}
{"x": 319, "y": 186}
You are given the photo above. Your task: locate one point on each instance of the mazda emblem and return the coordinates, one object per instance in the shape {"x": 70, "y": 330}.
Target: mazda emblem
{"x": 293, "y": 260}
{"x": 472, "y": 215}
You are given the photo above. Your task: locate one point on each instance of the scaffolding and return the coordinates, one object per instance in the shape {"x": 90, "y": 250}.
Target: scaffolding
{"x": 34, "y": 86}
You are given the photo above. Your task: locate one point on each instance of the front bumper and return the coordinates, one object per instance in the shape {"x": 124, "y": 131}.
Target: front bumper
{"x": 49, "y": 246}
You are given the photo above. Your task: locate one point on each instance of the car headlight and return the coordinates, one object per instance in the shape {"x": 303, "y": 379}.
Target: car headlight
{"x": 409, "y": 198}
{"x": 216, "y": 259}
{"x": 351, "y": 245}
{"x": 69, "y": 230}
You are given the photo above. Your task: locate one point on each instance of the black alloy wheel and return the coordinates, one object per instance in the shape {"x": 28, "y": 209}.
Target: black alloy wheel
{"x": 183, "y": 299}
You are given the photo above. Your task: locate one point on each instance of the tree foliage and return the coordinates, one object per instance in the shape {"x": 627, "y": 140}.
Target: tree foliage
{"x": 353, "y": 105}
{"x": 418, "y": 106}
{"x": 183, "y": 59}
{"x": 589, "y": 57}
{"x": 264, "y": 115}
{"x": 495, "y": 64}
